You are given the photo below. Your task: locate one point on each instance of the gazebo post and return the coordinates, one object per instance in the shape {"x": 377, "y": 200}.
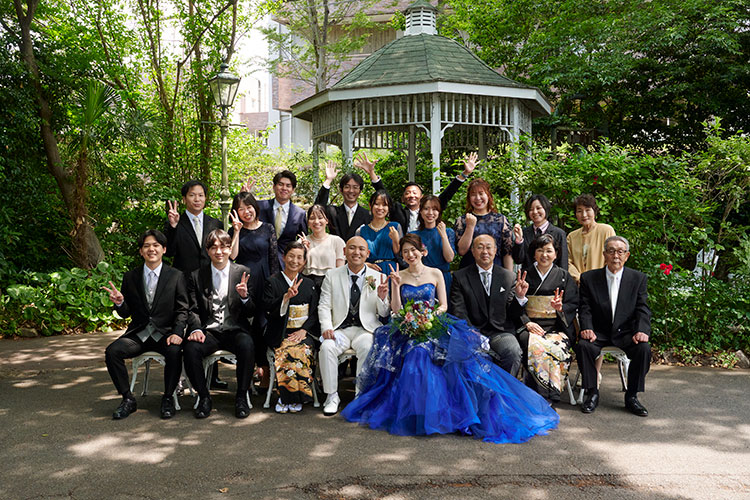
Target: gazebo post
{"x": 347, "y": 143}
{"x": 481, "y": 146}
{"x": 316, "y": 158}
{"x": 436, "y": 140}
{"x": 412, "y": 157}
{"x": 515, "y": 141}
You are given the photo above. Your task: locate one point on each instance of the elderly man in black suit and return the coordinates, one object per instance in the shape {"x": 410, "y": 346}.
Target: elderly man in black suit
{"x": 287, "y": 218}
{"x": 154, "y": 295}
{"x": 614, "y": 311}
{"x": 484, "y": 295}
{"x": 220, "y": 307}
{"x": 347, "y": 217}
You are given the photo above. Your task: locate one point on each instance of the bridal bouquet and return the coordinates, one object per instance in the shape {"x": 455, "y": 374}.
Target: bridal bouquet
{"x": 420, "y": 321}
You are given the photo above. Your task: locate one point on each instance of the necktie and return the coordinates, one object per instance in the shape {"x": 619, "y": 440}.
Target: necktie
{"x": 354, "y": 292}
{"x": 150, "y": 286}
{"x": 198, "y": 230}
{"x": 219, "y": 285}
{"x": 613, "y": 292}
{"x": 277, "y": 221}
{"x": 349, "y": 215}
{"x": 486, "y": 281}
{"x": 538, "y": 231}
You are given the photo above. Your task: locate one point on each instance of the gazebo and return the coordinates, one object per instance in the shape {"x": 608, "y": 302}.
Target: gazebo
{"x": 422, "y": 87}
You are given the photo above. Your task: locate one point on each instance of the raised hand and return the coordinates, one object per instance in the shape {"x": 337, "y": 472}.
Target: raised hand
{"x": 395, "y": 278}
{"x": 441, "y": 229}
{"x": 393, "y": 234}
{"x": 234, "y": 217}
{"x": 471, "y": 220}
{"x": 293, "y": 290}
{"x": 470, "y": 163}
{"x": 173, "y": 215}
{"x": 557, "y": 301}
{"x": 522, "y": 286}
{"x": 534, "y": 328}
{"x": 383, "y": 287}
{"x": 114, "y": 294}
{"x": 302, "y": 238}
{"x": 331, "y": 171}
{"x": 249, "y": 185}
{"x": 363, "y": 162}
{"x": 241, "y": 287}
{"x": 517, "y": 233}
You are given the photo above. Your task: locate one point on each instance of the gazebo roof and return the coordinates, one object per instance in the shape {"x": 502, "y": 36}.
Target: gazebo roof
{"x": 420, "y": 59}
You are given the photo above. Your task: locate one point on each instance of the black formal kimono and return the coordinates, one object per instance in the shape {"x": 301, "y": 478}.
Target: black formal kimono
{"x": 522, "y": 255}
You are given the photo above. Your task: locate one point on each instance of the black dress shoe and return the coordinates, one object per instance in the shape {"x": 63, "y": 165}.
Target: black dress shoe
{"x": 635, "y": 407}
{"x": 127, "y": 407}
{"x": 219, "y": 384}
{"x": 204, "y": 407}
{"x": 241, "y": 408}
{"x": 592, "y": 401}
{"x": 167, "y": 407}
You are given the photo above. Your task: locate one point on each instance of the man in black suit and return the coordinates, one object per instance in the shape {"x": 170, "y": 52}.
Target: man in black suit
{"x": 347, "y": 217}
{"x": 155, "y": 296}
{"x": 220, "y": 307}
{"x": 287, "y": 218}
{"x": 614, "y": 311}
{"x": 484, "y": 296}
{"x": 407, "y": 214}
{"x": 186, "y": 232}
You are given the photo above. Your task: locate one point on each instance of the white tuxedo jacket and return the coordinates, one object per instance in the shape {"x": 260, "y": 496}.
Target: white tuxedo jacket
{"x": 333, "y": 306}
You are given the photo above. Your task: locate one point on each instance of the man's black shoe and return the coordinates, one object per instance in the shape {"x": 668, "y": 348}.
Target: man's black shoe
{"x": 592, "y": 401}
{"x": 241, "y": 408}
{"x": 635, "y": 407}
{"x": 167, "y": 407}
{"x": 127, "y": 407}
{"x": 219, "y": 384}
{"x": 204, "y": 407}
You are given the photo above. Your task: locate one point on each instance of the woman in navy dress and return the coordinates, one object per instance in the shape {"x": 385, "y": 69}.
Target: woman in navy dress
{"x": 440, "y": 241}
{"x": 382, "y": 236}
{"x": 444, "y": 384}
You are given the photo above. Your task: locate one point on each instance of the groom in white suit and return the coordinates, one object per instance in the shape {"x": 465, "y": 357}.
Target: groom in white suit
{"x": 353, "y": 298}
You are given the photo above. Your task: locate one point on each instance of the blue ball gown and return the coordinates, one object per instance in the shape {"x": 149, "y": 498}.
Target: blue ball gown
{"x": 444, "y": 385}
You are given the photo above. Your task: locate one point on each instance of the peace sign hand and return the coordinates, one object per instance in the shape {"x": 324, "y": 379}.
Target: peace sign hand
{"x": 470, "y": 163}
{"x": 302, "y": 238}
{"x": 293, "y": 290}
{"x": 249, "y": 185}
{"x": 114, "y": 294}
{"x": 173, "y": 216}
{"x": 522, "y": 286}
{"x": 241, "y": 287}
{"x": 395, "y": 278}
{"x": 234, "y": 217}
{"x": 557, "y": 301}
{"x": 383, "y": 287}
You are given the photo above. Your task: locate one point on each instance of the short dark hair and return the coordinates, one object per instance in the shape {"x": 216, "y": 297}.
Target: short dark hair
{"x": 543, "y": 240}
{"x": 543, "y": 201}
{"x": 412, "y": 239}
{"x": 295, "y": 244}
{"x": 586, "y": 200}
{"x": 217, "y": 235}
{"x": 248, "y": 199}
{"x": 430, "y": 198}
{"x": 158, "y": 236}
{"x": 289, "y": 175}
{"x": 351, "y": 176}
{"x": 382, "y": 193}
{"x": 191, "y": 184}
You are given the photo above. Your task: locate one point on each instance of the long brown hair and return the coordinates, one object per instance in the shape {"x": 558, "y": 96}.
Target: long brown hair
{"x": 485, "y": 186}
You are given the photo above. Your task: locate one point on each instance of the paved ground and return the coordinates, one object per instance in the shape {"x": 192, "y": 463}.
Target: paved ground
{"x": 57, "y": 440}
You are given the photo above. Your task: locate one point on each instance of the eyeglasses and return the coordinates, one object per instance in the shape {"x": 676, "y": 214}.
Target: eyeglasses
{"x": 612, "y": 251}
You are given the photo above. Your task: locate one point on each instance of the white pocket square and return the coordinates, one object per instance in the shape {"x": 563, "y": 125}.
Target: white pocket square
{"x": 502, "y": 289}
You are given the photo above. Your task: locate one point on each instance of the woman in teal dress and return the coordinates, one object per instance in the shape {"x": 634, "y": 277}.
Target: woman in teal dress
{"x": 439, "y": 240}
{"x": 382, "y": 236}
{"x": 445, "y": 384}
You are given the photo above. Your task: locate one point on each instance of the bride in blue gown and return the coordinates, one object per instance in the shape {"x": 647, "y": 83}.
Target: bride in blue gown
{"x": 442, "y": 385}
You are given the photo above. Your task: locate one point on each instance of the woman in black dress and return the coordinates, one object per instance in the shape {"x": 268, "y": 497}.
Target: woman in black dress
{"x": 537, "y": 209}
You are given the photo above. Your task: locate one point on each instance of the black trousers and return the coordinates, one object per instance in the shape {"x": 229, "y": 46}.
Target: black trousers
{"x": 238, "y": 343}
{"x": 640, "y": 362}
{"x": 131, "y": 346}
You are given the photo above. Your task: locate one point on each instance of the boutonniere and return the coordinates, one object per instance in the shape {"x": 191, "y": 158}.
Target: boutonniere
{"x": 370, "y": 280}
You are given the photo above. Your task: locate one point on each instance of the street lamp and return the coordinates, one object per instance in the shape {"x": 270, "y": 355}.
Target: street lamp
{"x": 224, "y": 89}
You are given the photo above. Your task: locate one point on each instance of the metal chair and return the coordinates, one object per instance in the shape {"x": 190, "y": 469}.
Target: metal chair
{"x": 623, "y": 364}
{"x": 272, "y": 379}
{"x": 145, "y": 359}
{"x": 208, "y": 367}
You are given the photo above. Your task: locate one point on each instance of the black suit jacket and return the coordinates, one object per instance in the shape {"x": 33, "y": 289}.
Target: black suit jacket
{"x": 469, "y": 301}
{"x": 201, "y": 287}
{"x": 401, "y": 214}
{"x": 339, "y": 222}
{"x": 183, "y": 246}
{"x": 521, "y": 254}
{"x": 296, "y": 223}
{"x": 273, "y": 296}
{"x": 169, "y": 309}
{"x": 632, "y": 313}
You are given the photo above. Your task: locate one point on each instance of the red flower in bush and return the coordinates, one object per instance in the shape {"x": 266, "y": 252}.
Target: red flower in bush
{"x": 667, "y": 268}
{"x": 663, "y": 266}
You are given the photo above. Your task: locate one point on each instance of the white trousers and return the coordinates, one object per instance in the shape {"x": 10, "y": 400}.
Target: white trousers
{"x": 354, "y": 337}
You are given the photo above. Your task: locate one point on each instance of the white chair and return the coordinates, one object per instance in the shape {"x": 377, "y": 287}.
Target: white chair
{"x": 272, "y": 378}
{"x": 145, "y": 359}
{"x": 623, "y": 364}
{"x": 208, "y": 368}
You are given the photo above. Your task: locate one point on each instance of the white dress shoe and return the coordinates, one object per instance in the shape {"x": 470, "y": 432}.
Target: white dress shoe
{"x": 295, "y": 408}
{"x": 281, "y": 408}
{"x": 331, "y": 406}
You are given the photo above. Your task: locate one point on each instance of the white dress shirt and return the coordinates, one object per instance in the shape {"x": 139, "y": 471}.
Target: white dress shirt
{"x": 613, "y": 286}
